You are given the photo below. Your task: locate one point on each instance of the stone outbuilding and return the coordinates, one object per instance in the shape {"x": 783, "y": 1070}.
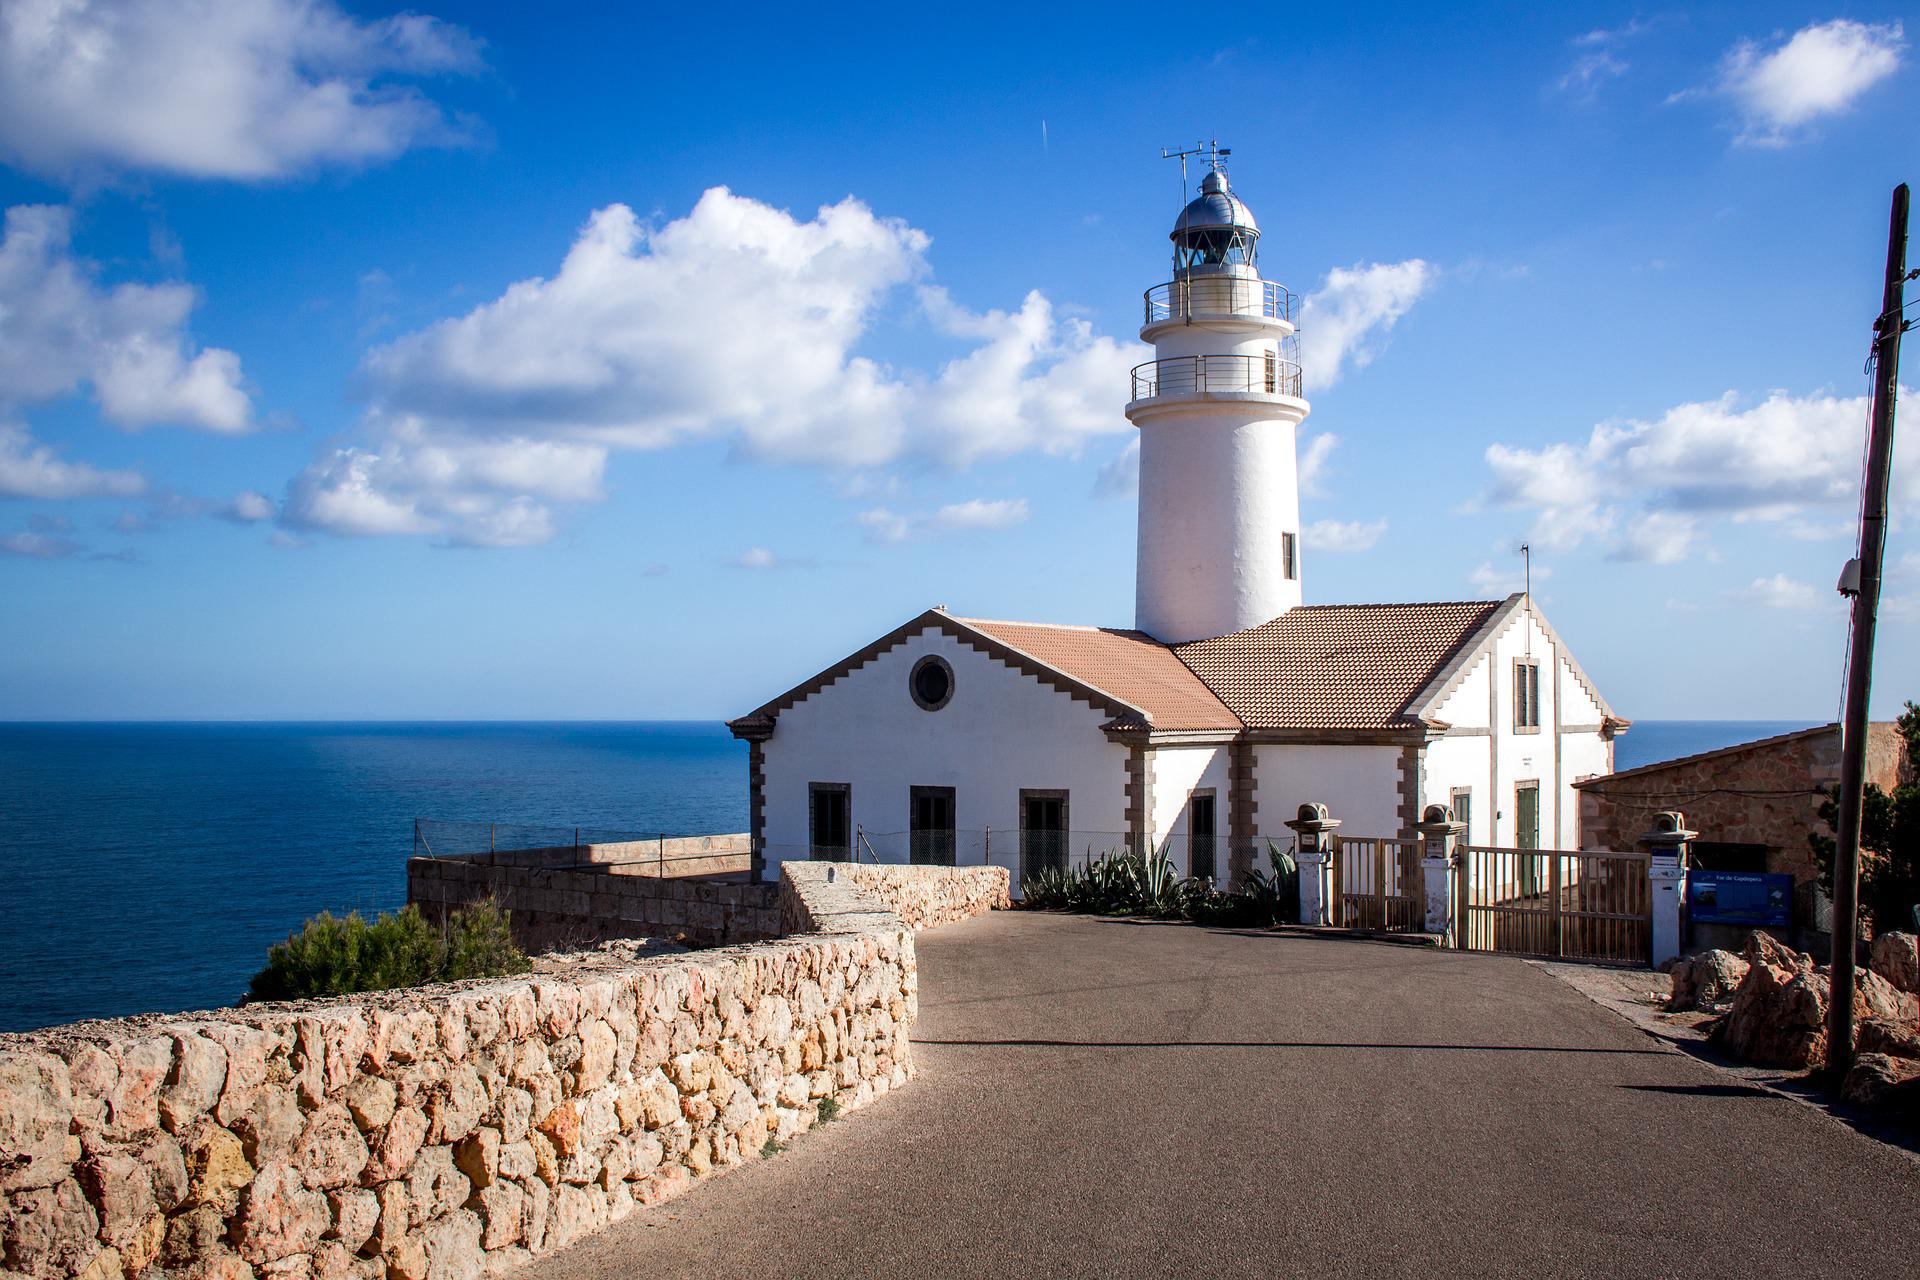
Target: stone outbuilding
{"x": 1755, "y": 804}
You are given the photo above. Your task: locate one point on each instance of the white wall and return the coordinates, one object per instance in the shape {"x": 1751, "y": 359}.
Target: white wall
{"x": 1360, "y": 785}
{"x": 1001, "y": 731}
{"x": 1462, "y": 763}
{"x": 1177, "y": 773}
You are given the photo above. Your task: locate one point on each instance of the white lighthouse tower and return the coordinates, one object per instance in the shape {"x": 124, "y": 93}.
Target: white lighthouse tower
{"x": 1217, "y": 411}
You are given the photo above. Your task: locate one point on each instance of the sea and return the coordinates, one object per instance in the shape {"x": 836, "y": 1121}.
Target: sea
{"x": 148, "y": 867}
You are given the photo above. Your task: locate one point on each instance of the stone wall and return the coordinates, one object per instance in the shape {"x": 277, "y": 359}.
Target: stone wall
{"x": 667, "y": 856}
{"x": 928, "y": 897}
{"x": 440, "y": 1133}
{"x": 1762, "y": 793}
{"x": 565, "y": 909}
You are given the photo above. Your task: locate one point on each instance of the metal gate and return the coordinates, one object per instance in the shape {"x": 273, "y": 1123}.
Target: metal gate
{"x": 1377, "y": 884}
{"x": 1584, "y": 905}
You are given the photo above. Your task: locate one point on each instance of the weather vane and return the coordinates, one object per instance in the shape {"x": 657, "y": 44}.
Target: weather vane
{"x": 1210, "y": 148}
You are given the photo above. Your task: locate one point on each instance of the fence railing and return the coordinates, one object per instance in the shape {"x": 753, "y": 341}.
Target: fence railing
{"x": 1378, "y": 884}
{"x": 1219, "y": 295}
{"x": 1217, "y": 375}
{"x": 1572, "y": 904}
{"x": 607, "y": 848}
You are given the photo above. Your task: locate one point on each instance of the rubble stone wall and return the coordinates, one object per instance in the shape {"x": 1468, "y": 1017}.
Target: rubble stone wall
{"x": 670, "y": 856}
{"x": 569, "y": 908}
{"x": 446, "y": 1132}
{"x": 928, "y": 897}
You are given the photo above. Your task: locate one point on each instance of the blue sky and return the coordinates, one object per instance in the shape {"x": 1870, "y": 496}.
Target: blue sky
{"x": 358, "y": 362}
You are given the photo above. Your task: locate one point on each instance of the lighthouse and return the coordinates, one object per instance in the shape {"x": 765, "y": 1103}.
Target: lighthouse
{"x": 1218, "y": 409}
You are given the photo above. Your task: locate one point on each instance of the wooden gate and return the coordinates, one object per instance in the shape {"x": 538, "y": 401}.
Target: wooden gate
{"x": 1377, "y": 884}
{"x": 1585, "y": 905}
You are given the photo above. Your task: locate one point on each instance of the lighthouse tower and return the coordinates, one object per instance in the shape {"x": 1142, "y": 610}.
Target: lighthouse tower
{"x": 1217, "y": 410}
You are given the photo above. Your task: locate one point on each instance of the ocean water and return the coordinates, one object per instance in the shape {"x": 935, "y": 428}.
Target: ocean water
{"x": 148, "y": 867}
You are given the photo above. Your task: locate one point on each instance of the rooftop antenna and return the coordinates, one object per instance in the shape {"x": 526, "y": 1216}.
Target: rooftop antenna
{"x": 1210, "y": 148}
{"x": 1526, "y": 585}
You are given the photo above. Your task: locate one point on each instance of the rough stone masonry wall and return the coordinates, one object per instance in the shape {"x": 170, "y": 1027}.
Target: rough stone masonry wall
{"x": 565, "y": 909}
{"x": 928, "y": 897}
{"x": 441, "y": 1133}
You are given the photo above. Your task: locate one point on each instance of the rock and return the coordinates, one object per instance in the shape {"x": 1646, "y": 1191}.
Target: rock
{"x": 105, "y": 1265}
{"x": 479, "y": 1157}
{"x": 36, "y": 1111}
{"x": 217, "y": 1165}
{"x": 457, "y": 1105}
{"x": 1707, "y": 981}
{"x": 279, "y": 1216}
{"x": 133, "y": 1105}
{"x": 561, "y": 1127}
{"x": 194, "y": 1082}
{"x": 502, "y": 1213}
{"x": 515, "y": 1109}
{"x": 121, "y": 1192}
{"x": 198, "y": 1233}
{"x": 436, "y": 1186}
{"x": 50, "y": 1230}
{"x": 1779, "y": 1013}
{"x": 595, "y": 1065}
{"x": 356, "y": 1212}
{"x": 453, "y": 1247}
{"x": 391, "y": 1229}
{"x": 577, "y": 1210}
{"x": 393, "y": 1154}
{"x": 1896, "y": 957}
{"x": 270, "y": 1125}
{"x": 165, "y": 1164}
{"x": 1877, "y": 1080}
{"x": 370, "y": 1100}
{"x": 1890, "y": 1036}
{"x": 330, "y": 1151}
{"x": 408, "y": 1260}
{"x": 516, "y": 1161}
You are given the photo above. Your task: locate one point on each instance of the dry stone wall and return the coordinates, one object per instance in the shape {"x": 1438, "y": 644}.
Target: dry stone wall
{"x": 928, "y": 897}
{"x": 447, "y": 1132}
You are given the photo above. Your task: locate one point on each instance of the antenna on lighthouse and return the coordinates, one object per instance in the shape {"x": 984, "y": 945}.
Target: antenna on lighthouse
{"x": 1210, "y": 148}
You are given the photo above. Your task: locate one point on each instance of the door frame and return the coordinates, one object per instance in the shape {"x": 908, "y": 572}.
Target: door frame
{"x": 915, "y": 794}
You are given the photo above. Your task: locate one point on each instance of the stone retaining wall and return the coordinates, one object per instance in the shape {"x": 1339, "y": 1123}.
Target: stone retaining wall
{"x": 441, "y": 1133}
{"x": 565, "y": 909}
{"x": 928, "y": 897}
{"x": 669, "y": 856}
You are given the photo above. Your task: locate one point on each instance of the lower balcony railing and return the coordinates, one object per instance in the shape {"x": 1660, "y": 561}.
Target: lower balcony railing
{"x": 1217, "y": 375}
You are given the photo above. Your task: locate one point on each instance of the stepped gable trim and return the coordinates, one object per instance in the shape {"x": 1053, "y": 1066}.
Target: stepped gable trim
{"x": 1738, "y": 748}
{"x": 1125, "y": 714}
{"x": 1515, "y": 607}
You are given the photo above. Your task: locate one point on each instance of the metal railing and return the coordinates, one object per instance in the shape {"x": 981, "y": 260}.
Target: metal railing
{"x": 1217, "y": 375}
{"x": 563, "y": 848}
{"x": 1220, "y": 295}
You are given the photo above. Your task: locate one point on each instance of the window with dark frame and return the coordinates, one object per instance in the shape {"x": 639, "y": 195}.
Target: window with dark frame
{"x": 1043, "y": 831}
{"x": 1288, "y": 560}
{"x": 830, "y": 821}
{"x": 1202, "y": 828}
{"x": 930, "y": 837}
{"x": 1526, "y": 695}
{"x": 1461, "y": 802}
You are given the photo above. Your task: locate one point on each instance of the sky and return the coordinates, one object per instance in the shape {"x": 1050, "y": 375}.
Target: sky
{"x": 523, "y": 362}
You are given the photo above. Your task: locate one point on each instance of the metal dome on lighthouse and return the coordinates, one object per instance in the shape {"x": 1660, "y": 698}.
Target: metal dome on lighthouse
{"x": 1217, "y": 409}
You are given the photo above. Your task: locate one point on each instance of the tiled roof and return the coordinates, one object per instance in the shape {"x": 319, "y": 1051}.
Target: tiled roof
{"x": 1130, "y": 665}
{"x": 1337, "y": 666}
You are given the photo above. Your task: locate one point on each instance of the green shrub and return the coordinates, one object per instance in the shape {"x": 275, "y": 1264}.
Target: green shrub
{"x": 1133, "y": 884}
{"x": 334, "y": 956}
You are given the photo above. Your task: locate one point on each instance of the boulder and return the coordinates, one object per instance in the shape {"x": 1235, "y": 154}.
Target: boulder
{"x": 1707, "y": 981}
{"x": 1890, "y": 1036}
{"x": 1779, "y": 1013}
{"x": 1896, "y": 957}
{"x": 1880, "y": 1081}
{"x": 36, "y": 1110}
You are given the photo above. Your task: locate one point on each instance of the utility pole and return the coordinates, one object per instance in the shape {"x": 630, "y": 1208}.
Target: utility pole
{"x": 1866, "y": 603}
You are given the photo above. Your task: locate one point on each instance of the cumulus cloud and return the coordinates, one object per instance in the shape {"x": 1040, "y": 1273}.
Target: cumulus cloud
{"x": 1119, "y": 476}
{"x": 973, "y": 515}
{"x": 1344, "y": 535}
{"x": 245, "y": 89}
{"x": 738, "y": 322}
{"x": 1646, "y": 488}
{"x": 1313, "y": 462}
{"x": 31, "y": 545}
{"x": 247, "y": 508}
{"x": 1778, "y": 591}
{"x": 1491, "y": 580}
{"x": 1821, "y": 70}
{"x": 761, "y": 559}
{"x": 59, "y": 328}
{"x": 1346, "y": 321}
{"x": 29, "y": 469}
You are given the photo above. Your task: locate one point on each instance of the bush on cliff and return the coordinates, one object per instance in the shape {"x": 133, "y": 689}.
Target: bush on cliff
{"x": 335, "y": 956}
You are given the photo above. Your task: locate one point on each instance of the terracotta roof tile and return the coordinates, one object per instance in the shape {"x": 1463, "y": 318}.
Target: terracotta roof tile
{"x": 1338, "y": 666}
{"x": 1130, "y": 665}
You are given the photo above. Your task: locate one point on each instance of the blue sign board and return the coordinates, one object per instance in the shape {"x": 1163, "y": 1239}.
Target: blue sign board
{"x": 1740, "y": 897}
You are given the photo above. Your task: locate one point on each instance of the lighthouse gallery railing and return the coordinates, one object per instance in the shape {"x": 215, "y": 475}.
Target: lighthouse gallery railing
{"x": 1217, "y": 375}
{"x": 1219, "y": 295}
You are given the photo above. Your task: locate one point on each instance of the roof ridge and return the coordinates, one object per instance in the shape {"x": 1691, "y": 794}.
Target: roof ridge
{"x": 1058, "y": 626}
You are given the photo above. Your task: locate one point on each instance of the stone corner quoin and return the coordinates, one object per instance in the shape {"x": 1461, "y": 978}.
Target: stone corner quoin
{"x": 453, "y": 1131}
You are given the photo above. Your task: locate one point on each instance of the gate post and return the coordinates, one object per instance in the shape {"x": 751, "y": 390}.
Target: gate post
{"x": 1667, "y": 880}
{"x": 1314, "y": 830}
{"x": 1438, "y": 867}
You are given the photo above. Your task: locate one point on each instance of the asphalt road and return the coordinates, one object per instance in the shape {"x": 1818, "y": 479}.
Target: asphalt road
{"x": 1105, "y": 1098}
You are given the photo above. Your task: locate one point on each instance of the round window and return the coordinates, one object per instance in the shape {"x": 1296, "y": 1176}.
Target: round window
{"x": 931, "y": 682}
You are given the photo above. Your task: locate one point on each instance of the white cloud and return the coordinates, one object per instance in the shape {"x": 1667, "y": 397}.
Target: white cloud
{"x": 738, "y": 321}
{"x": 1313, "y": 462}
{"x": 1781, "y": 592}
{"x": 973, "y": 515}
{"x": 1648, "y": 487}
{"x": 759, "y": 558}
{"x": 1347, "y": 320}
{"x": 38, "y": 546}
{"x": 1504, "y": 581}
{"x": 242, "y": 89}
{"x": 1119, "y": 476}
{"x": 1821, "y": 70}
{"x": 29, "y": 469}
{"x": 59, "y": 329}
{"x": 1344, "y": 535}
{"x": 248, "y": 508}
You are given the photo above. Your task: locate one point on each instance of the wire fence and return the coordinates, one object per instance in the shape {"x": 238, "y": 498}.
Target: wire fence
{"x": 611, "y": 848}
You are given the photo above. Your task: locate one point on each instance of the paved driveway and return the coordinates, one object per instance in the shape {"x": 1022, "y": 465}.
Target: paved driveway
{"x": 1106, "y": 1098}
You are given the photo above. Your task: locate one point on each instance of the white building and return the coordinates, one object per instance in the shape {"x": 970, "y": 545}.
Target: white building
{"x": 1230, "y": 703}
